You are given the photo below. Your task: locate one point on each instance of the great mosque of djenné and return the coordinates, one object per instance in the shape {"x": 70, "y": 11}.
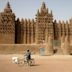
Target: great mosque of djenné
{"x": 43, "y": 30}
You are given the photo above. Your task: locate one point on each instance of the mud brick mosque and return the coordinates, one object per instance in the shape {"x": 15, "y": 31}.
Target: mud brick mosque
{"x": 43, "y": 30}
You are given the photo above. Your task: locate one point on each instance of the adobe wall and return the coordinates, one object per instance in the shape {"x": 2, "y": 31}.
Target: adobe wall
{"x": 19, "y": 48}
{"x": 7, "y": 38}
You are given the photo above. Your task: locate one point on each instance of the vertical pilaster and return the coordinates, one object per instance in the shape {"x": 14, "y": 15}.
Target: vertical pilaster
{"x": 49, "y": 46}
{"x": 32, "y": 37}
{"x": 25, "y": 31}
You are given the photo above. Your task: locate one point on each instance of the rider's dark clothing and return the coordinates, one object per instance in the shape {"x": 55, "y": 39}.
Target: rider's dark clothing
{"x": 28, "y": 55}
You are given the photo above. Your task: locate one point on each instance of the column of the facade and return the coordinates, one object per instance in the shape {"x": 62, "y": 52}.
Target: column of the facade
{"x": 46, "y": 34}
{"x": 70, "y": 31}
{"x": 67, "y": 46}
{"x": 63, "y": 37}
{"x": 25, "y": 31}
{"x": 59, "y": 30}
{"x": 37, "y": 26}
{"x": 59, "y": 51}
{"x": 28, "y": 31}
{"x": 49, "y": 37}
{"x": 67, "y": 41}
{"x": 67, "y": 29}
{"x": 50, "y": 45}
{"x": 34, "y": 33}
{"x": 70, "y": 34}
{"x": 22, "y": 30}
{"x": 46, "y": 41}
{"x": 32, "y": 37}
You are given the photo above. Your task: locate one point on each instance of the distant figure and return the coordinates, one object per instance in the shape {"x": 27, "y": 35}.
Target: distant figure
{"x": 28, "y": 55}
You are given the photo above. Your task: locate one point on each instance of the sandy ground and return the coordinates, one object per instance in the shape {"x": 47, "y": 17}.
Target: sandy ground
{"x": 55, "y": 63}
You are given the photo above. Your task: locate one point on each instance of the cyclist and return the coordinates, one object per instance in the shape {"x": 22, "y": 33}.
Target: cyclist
{"x": 28, "y": 55}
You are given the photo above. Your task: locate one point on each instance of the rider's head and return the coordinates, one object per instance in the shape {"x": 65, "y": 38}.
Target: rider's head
{"x": 27, "y": 50}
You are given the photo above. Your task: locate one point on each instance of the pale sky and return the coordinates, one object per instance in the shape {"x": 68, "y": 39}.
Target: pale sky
{"x": 62, "y": 9}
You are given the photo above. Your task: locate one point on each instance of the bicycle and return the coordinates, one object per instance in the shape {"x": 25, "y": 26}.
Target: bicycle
{"x": 23, "y": 61}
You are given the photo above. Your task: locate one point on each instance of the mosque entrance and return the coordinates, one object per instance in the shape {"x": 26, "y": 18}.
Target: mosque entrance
{"x": 42, "y": 51}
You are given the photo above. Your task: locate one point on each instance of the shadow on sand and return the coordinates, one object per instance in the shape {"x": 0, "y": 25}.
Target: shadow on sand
{"x": 35, "y": 65}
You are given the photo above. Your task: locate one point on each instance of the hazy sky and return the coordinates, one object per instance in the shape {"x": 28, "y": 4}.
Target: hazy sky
{"x": 62, "y": 9}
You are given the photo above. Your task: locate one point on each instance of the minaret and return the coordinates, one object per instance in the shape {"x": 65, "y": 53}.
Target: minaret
{"x": 38, "y": 12}
{"x": 8, "y": 8}
{"x": 44, "y": 28}
{"x": 8, "y": 25}
{"x": 43, "y": 9}
{"x": 43, "y": 6}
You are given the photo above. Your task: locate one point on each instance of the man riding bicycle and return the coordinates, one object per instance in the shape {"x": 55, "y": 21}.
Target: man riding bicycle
{"x": 28, "y": 55}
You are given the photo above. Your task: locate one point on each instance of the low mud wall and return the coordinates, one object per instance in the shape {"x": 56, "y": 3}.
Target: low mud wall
{"x": 19, "y": 48}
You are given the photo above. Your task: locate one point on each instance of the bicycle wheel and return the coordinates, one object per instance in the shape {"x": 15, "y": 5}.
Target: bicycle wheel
{"x": 21, "y": 63}
{"x": 29, "y": 62}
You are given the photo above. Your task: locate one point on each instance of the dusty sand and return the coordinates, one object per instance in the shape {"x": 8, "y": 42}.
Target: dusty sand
{"x": 55, "y": 63}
